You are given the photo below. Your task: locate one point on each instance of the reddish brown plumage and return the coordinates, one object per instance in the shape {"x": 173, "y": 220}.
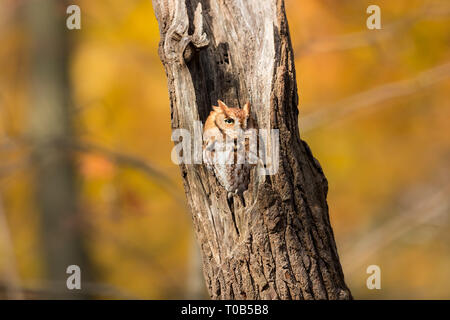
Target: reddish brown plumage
{"x": 225, "y": 131}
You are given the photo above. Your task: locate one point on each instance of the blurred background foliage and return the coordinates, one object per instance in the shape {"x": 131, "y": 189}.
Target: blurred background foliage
{"x": 374, "y": 107}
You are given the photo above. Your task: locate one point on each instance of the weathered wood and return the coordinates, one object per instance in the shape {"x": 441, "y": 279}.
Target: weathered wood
{"x": 281, "y": 245}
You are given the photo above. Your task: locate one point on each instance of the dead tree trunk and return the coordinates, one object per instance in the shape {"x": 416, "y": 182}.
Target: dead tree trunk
{"x": 281, "y": 245}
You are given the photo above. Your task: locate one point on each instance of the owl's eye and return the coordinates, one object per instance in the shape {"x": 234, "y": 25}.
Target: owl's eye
{"x": 229, "y": 121}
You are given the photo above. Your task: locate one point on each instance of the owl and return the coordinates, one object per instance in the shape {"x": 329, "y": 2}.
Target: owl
{"x": 226, "y": 150}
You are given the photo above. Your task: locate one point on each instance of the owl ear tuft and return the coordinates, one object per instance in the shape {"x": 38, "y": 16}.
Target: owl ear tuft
{"x": 222, "y": 105}
{"x": 247, "y": 108}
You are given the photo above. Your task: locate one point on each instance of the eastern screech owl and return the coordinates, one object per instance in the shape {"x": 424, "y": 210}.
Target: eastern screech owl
{"x": 226, "y": 146}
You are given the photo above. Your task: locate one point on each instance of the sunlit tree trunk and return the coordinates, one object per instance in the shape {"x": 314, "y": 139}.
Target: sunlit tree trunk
{"x": 50, "y": 129}
{"x": 280, "y": 245}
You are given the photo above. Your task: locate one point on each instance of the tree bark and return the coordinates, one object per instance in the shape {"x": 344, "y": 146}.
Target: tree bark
{"x": 280, "y": 245}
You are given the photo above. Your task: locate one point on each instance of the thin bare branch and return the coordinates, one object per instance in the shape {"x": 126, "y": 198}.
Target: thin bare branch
{"x": 367, "y": 38}
{"x": 427, "y": 210}
{"x": 332, "y": 112}
{"x": 131, "y": 161}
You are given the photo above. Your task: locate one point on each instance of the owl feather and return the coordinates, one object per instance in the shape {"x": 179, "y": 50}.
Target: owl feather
{"x": 226, "y": 148}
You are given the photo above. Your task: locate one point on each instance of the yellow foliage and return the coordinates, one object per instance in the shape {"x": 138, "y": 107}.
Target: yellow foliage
{"x": 375, "y": 157}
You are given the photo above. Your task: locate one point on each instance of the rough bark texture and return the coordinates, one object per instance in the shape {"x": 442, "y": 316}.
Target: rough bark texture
{"x": 281, "y": 246}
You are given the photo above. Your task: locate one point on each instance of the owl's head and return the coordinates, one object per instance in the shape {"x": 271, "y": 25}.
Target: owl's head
{"x": 230, "y": 120}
